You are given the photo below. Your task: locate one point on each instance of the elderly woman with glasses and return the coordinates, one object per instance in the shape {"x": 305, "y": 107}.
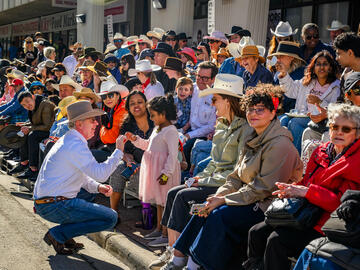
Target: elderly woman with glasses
{"x": 312, "y": 43}
{"x": 330, "y": 172}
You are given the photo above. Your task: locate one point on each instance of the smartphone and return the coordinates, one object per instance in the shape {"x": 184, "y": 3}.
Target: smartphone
{"x": 189, "y": 181}
{"x": 197, "y": 208}
{"x": 129, "y": 171}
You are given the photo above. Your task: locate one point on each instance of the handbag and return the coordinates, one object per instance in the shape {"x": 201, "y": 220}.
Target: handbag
{"x": 296, "y": 213}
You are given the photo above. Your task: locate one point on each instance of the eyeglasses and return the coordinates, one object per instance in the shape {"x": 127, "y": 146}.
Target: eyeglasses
{"x": 170, "y": 39}
{"x": 309, "y": 37}
{"x": 109, "y": 95}
{"x": 203, "y": 78}
{"x": 258, "y": 111}
{"x": 344, "y": 129}
{"x": 28, "y": 42}
{"x": 36, "y": 88}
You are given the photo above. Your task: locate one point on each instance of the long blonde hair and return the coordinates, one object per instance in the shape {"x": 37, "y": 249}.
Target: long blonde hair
{"x": 32, "y": 45}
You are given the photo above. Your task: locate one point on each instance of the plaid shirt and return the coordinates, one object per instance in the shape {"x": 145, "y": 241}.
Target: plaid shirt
{"x": 183, "y": 111}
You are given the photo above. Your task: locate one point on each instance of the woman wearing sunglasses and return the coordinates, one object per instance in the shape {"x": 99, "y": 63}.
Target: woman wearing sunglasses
{"x": 330, "y": 172}
{"x": 30, "y": 52}
{"x": 37, "y": 88}
{"x": 312, "y": 43}
{"x": 127, "y": 62}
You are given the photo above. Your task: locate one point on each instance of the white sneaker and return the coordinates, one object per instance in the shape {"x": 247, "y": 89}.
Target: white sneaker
{"x": 153, "y": 235}
{"x": 159, "y": 242}
{"x": 171, "y": 266}
{"x": 162, "y": 260}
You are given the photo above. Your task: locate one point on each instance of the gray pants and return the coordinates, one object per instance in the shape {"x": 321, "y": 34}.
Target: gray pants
{"x": 116, "y": 180}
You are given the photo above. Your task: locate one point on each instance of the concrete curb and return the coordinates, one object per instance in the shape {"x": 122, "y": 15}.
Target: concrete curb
{"x": 123, "y": 248}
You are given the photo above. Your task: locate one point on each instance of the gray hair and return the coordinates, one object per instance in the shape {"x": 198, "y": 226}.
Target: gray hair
{"x": 309, "y": 26}
{"x": 48, "y": 50}
{"x": 349, "y": 112}
{"x": 71, "y": 125}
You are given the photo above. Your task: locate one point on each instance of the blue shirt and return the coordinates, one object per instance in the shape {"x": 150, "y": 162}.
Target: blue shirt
{"x": 14, "y": 109}
{"x": 230, "y": 66}
{"x": 58, "y": 129}
{"x": 261, "y": 75}
{"x": 116, "y": 73}
{"x": 120, "y": 52}
{"x": 319, "y": 47}
{"x": 183, "y": 111}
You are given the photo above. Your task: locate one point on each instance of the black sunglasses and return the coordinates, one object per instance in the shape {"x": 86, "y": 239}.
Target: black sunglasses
{"x": 28, "y": 42}
{"x": 37, "y": 88}
{"x": 314, "y": 37}
{"x": 109, "y": 95}
{"x": 170, "y": 39}
{"x": 213, "y": 41}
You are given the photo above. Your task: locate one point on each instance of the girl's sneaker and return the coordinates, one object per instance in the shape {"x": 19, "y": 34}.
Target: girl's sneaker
{"x": 161, "y": 241}
{"x": 153, "y": 235}
{"x": 162, "y": 260}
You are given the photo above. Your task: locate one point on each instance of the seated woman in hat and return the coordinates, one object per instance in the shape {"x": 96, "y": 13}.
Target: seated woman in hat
{"x": 240, "y": 202}
{"x": 254, "y": 72}
{"x": 37, "y": 88}
{"x": 113, "y": 66}
{"x": 59, "y": 70}
{"x": 288, "y": 58}
{"x": 221, "y": 55}
{"x": 145, "y": 73}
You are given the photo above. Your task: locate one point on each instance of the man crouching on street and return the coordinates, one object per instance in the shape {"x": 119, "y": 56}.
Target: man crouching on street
{"x": 68, "y": 167}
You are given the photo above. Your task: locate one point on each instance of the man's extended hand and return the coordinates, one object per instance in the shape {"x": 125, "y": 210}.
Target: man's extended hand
{"x": 105, "y": 189}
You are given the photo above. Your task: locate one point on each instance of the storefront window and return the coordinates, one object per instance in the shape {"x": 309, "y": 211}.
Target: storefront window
{"x": 328, "y": 13}
{"x": 297, "y": 17}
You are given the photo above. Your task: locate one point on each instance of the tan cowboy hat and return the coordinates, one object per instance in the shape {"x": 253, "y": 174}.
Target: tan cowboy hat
{"x": 252, "y": 50}
{"x": 81, "y": 110}
{"x": 226, "y": 84}
{"x": 145, "y": 39}
{"x": 156, "y": 33}
{"x": 75, "y": 46}
{"x": 87, "y": 92}
{"x": 223, "y": 52}
{"x": 62, "y": 106}
{"x": 66, "y": 79}
{"x": 288, "y": 48}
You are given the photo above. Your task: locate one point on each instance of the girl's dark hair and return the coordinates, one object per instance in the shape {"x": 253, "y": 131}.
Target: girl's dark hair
{"x": 164, "y": 105}
{"x": 128, "y": 58}
{"x": 129, "y": 117}
{"x": 235, "y": 105}
{"x": 310, "y": 74}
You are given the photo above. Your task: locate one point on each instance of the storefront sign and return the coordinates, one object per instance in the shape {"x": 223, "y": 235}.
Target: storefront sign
{"x": 5, "y": 31}
{"x": 64, "y": 3}
{"x": 58, "y": 22}
{"x": 109, "y": 21}
{"x": 118, "y": 10}
{"x": 28, "y": 27}
{"x": 211, "y": 16}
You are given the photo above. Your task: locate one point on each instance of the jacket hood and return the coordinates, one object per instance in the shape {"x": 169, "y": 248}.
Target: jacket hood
{"x": 273, "y": 131}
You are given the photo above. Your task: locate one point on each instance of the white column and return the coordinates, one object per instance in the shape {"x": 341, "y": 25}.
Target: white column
{"x": 91, "y": 33}
{"x": 178, "y": 16}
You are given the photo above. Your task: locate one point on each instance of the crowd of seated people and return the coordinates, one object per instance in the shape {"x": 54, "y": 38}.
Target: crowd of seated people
{"x": 225, "y": 126}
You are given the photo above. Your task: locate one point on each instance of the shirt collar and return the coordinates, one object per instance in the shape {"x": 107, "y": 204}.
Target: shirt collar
{"x": 74, "y": 132}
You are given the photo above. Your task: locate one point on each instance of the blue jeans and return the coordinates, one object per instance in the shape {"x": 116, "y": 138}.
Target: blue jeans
{"x": 76, "y": 217}
{"x": 296, "y": 125}
{"x": 199, "y": 167}
{"x": 225, "y": 229}
{"x": 307, "y": 260}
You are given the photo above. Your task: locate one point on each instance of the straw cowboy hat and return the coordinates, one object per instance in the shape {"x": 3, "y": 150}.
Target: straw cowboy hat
{"x": 226, "y": 84}
{"x": 235, "y": 48}
{"x": 283, "y": 29}
{"x": 81, "y": 110}
{"x": 145, "y": 39}
{"x": 217, "y": 35}
{"x": 143, "y": 66}
{"x": 337, "y": 25}
{"x": 156, "y": 33}
{"x": 75, "y": 46}
{"x": 252, "y": 50}
{"x": 130, "y": 41}
{"x": 9, "y": 137}
{"x": 110, "y": 86}
{"x": 119, "y": 36}
{"x": 66, "y": 79}
{"x": 87, "y": 92}
{"x": 62, "y": 106}
{"x": 100, "y": 68}
{"x": 223, "y": 52}
{"x": 110, "y": 48}
{"x": 288, "y": 48}
{"x": 16, "y": 74}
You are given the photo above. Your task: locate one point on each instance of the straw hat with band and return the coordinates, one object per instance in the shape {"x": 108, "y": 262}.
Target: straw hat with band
{"x": 62, "y": 106}
{"x": 130, "y": 41}
{"x": 156, "y": 33}
{"x": 110, "y": 86}
{"x": 288, "y": 48}
{"x": 87, "y": 92}
{"x": 81, "y": 110}
{"x": 225, "y": 84}
{"x": 143, "y": 66}
{"x": 251, "y": 50}
{"x": 9, "y": 137}
{"x": 145, "y": 39}
{"x": 16, "y": 74}
{"x": 66, "y": 79}
{"x": 222, "y": 52}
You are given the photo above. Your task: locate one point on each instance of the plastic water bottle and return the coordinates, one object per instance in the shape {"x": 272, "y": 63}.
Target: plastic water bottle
{"x": 147, "y": 216}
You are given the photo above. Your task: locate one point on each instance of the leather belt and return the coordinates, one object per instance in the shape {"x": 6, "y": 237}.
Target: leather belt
{"x": 51, "y": 199}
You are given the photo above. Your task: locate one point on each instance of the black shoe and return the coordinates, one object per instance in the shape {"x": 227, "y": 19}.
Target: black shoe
{"x": 9, "y": 156}
{"x": 17, "y": 169}
{"x": 28, "y": 174}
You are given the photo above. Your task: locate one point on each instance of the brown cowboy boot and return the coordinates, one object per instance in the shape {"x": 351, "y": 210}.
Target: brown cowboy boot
{"x": 71, "y": 244}
{"x": 59, "y": 248}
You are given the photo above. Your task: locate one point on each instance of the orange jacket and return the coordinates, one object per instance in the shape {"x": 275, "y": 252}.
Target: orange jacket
{"x": 109, "y": 136}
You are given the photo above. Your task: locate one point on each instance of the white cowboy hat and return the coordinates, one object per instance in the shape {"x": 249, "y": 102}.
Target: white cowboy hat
{"x": 110, "y": 47}
{"x": 66, "y": 79}
{"x": 132, "y": 40}
{"x": 81, "y": 110}
{"x": 143, "y": 66}
{"x": 283, "y": 29}
{"x": 226, "y": 84}
{"x": 156, "y": 33}
{"x": 235, "y": 48}
{"x": 337, "y": 25}
{"x": 119, "y": 36}
{"x": 110, "y": 86}
{"x": 145, "y": 39}
{"x": 217, "y": 35}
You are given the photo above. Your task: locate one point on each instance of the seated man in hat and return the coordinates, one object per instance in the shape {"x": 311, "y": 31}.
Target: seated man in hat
{"x": 68, "y": 167}
{"x": 41, "y": 114}
{"x": 119, "y": 40}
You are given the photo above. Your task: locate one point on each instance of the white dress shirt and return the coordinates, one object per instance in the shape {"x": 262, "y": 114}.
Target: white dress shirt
{"x": 202, "y": 115}
{"x": 70, "y": 64}
{"x": 70, "y": 165}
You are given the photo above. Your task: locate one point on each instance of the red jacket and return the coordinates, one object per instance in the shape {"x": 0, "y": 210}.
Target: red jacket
{"x": 328, "y": 183}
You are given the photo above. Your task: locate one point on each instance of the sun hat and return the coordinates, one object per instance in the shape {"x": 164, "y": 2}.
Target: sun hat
{"x": 75, "y": 46}
{"x": 252, "y": 50}
{"x": 66, "y": 79}
{"x": 217, "y": 35}
{"x": 182, "y": 36}
{"x": 145, "y": 39}
{"x": 87, "y": 92}
{"x": 9, "y": 137}
{"x": 110, "y": 48}
{"x": 222, "y": 52}
{"x": 226, "y": 84}
{"x": 119, "y": 36}
{"x": 16, "y": 74}
{"x": 173, "y": 63}
{"x": 156, "y": 33}
{"x": 190, "y": 52}
{"x": 62, "y": 106}
{"x": 146, "y": 53}
{"x": 351, "y": 80}
{"x": 288, "y": 48}
{"x": 143, "y": 66}
{"x": 337, "y": 25}
{"x": 283, "y": 29}
{"x": 130, "y": 41}
{"x": 81, "y": 110}
{"x": 163, "y": 47}
{"x": 110, "y": 86}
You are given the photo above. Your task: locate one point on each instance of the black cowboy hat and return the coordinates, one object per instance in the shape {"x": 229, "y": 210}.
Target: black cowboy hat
{"x": 164, "y": 48}
{"x": 182, "y": 36}
{"x": 170, "y": 33}
{"x": 202, "y": 43}
{"x": 173, "y": 63}
{"x": 235, "y": 30}
{"x": 9, "y": 137}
